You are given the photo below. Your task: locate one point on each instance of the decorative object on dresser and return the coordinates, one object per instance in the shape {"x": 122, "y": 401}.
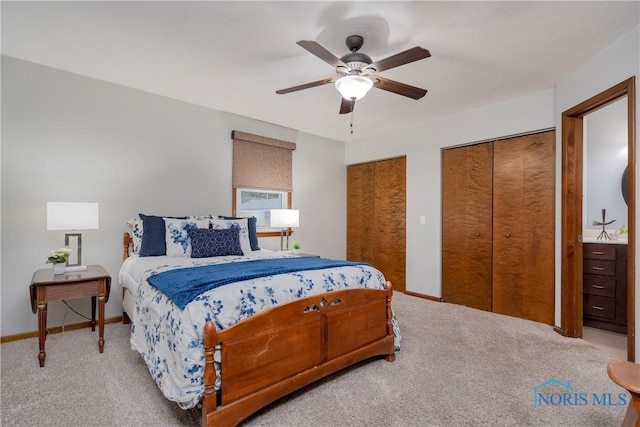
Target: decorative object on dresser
{"x": 605, "y": 286}
{"x": 72, "y": 216}
{"x": 603, "y": 234}
{"x": 93, "y": 282}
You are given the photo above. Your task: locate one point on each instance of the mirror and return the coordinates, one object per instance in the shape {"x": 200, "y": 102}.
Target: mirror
{"x": 605, "y": 166}
{"x": 623, "y": 185}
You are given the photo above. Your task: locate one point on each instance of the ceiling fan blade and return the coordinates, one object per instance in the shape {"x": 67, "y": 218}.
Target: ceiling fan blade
{"x": 402, "y": 58}
{"x": 346, "y": 106}
{"x": 307, "y": 85}
{"x": 398, "y": 88}
{"x": 322, "y": 53}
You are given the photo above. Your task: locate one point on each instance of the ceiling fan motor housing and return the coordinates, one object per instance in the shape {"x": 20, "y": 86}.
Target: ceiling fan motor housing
{"x": 356, "y": 61}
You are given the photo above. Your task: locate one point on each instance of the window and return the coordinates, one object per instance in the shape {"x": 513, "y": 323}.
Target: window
{"x": 262, "y": 177}
{"x": 258, "y": 203}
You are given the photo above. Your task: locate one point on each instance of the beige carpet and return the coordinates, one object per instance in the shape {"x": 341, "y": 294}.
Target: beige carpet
{"x": 458, "y": 367}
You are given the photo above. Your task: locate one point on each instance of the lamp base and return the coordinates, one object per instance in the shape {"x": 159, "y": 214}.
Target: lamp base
{"x": 75, "y": 268}
{"x": 283, "y": 232}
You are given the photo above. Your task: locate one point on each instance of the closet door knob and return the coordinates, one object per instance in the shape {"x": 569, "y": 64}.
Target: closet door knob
{"x": 507, "y": 235}
{"x": 477, "y": 234}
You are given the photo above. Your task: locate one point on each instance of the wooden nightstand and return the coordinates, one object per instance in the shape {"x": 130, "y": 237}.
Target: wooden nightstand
{"x": 45, "y": 286}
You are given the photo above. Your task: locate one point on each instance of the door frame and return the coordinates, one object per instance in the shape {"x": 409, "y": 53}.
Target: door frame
{"x": 571, "y": 251}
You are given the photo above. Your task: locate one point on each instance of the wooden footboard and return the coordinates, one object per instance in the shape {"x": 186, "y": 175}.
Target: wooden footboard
{"x": 290, "y": 346}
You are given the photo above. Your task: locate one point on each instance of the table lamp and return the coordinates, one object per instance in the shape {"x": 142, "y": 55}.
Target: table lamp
{"x": 72, "y": 216}
{"x": 285, "y": 219}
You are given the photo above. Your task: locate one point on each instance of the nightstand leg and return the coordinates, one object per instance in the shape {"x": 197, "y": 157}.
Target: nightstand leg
{"x": 42, "y": 331}
{"x": 93, "y": 314}
{"x": 101, "y": 299}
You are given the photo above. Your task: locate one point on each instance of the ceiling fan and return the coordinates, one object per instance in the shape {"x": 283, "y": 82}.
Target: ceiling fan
{"x": 356, "y": 72}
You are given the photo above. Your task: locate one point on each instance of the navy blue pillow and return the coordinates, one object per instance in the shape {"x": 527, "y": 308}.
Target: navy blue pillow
{"x": 252, "y": 226}
{"x": 153, "y": 235}
{"x": 208, "y": 242}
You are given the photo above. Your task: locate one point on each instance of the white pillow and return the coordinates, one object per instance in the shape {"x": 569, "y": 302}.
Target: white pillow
{"x": 136, "y": 233}
{"x": 242, "y": 224}
{"x": 201, "y": 217}
{"x": 176, "y": 236}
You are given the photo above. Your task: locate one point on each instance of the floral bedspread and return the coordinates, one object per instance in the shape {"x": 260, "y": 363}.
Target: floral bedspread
{"x": 170, "y": 340}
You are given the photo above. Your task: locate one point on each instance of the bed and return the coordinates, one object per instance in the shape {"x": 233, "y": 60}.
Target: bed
{"x": 237, "y": 347}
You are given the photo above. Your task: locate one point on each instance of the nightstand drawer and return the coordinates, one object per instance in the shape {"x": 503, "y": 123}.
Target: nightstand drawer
{"x": 599, "y": 285}
{"x": 598, "y": 267}
{"x": 604, "y": 308}
{"x": 599, "y": 251}
{"x": 72, "y": 290}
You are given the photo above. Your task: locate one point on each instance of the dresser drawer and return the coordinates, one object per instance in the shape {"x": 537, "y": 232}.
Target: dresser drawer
{"x": 599, "y": 267}
{"x": 599, "y": 285}
{"x": 599, "y": 251}
{"x": 603, "y": 308}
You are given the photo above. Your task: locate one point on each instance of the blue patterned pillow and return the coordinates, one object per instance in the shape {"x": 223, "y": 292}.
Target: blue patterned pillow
{"x": 241, "y": 225}
{"x": 208, "y": 242}
{"x": 252, "y": 224}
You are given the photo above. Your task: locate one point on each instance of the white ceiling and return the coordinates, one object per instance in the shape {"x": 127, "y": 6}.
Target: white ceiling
{"x": 233, "y": 56}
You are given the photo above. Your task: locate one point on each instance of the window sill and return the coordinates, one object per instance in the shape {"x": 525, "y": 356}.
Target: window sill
{"x": 271, "y": 233}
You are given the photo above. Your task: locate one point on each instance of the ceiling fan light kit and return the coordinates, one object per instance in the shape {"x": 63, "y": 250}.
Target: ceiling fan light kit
{"x": 353, "y": 87}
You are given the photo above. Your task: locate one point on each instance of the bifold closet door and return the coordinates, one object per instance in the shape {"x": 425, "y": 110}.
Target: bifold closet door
{"x": 390, "y": 220}
{"x": 466, "y": 225}
{"x": 524, "y": 227}
{"x": 376, "y": 217}
{"x": 360, "y": 207}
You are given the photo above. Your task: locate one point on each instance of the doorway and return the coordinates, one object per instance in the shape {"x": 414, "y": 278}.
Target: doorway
{"x": 572, "y": 210}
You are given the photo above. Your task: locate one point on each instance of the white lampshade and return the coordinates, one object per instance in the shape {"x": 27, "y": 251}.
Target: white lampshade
{"x": 353, "y": 87}
{"x": 72, "y": 216}
{"x": 285, "y": 218}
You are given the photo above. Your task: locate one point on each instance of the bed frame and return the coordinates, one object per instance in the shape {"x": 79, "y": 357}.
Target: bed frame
{"x": 287, "y": 347}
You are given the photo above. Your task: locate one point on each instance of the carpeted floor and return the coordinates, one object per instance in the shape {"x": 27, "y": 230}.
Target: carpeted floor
{"x": 457, "y": 367}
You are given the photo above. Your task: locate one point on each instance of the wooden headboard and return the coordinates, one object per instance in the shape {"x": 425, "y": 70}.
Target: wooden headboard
{"x": 127, "y": 241}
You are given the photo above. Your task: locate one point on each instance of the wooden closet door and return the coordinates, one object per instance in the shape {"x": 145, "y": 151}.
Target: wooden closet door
{"x": 466, "y": 225}
{"x": 376, "y": 217}
{"x": 390, "y": 220}
{"x": 524, "y": 227}
{"x": 360, "y": 208}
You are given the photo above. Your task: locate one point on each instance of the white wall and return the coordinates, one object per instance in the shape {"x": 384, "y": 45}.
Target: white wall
{"x": 422, "y": 146}
{"x": 67, "y": 137}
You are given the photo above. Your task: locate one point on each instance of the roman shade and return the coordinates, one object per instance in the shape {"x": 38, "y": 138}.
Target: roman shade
{"x": 261, "y": 162}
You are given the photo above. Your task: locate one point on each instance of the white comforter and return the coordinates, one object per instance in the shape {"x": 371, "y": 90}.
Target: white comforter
{"x": 170, "y": 339}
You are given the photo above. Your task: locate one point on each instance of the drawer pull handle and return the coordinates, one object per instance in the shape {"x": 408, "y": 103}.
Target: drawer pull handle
{"x": 598, "y": 268}
{"x": 597, "y": 287}
{"x": 597, "y": 308}
{"x": 597, "y": 253}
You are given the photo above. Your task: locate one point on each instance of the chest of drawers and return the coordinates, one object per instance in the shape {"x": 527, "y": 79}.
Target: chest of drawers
{"x": 604, "y": 286}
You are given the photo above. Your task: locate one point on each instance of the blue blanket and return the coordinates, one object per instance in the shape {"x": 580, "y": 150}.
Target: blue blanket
{"x": 183, "y": 285}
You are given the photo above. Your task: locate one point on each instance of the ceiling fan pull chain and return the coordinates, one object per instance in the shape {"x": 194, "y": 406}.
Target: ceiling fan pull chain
{"x": 351, "y": 124}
